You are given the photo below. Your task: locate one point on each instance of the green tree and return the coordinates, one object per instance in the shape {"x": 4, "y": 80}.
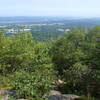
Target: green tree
{"x": 76, "y": 58}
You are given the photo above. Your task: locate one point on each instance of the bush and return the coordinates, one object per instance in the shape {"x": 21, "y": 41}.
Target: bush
{"x": 32, "y": 85}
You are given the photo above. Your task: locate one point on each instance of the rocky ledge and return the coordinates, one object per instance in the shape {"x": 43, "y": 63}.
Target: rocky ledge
{"x": 54, "y": 95}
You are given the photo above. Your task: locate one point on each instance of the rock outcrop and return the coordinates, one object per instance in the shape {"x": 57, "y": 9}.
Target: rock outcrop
{"x": 63, "y": 97}
{"x": 4, "y": 95}
{"x": 54, "y": 95}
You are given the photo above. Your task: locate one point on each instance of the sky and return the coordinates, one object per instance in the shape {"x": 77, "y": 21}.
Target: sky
{"x": 73, "y": 8}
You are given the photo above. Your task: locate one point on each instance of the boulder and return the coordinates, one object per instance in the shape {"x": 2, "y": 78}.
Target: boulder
{"x": 63, "y": 97}
{"x": 3, "y": 92}
{"x": 54, "y": 92}
{"x": 4, "y": 95}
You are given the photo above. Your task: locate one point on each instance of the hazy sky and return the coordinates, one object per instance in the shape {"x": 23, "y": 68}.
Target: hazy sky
{"x": 74, "y": 8}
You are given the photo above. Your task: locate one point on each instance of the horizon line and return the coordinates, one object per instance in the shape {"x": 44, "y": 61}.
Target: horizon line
{"x": 76, "y": 17}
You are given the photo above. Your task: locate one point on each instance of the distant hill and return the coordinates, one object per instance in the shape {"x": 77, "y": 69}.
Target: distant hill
{"x": 68, "y": 21}
{"x": 47, "y": 28}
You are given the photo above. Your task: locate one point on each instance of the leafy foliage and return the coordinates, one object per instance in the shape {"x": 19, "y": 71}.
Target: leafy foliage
{"x": 27, "y": 64}
{"x": 76, "y": 57}
{"x": 30, "y": 67}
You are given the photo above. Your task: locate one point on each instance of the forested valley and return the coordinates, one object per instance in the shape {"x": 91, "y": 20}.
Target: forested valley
{"x": 33, "y": 67}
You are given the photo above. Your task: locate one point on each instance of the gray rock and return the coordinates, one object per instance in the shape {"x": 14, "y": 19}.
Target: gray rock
{"x": 54, "y": 92}
{"x": 3, "y": 92}
{"x": 54, "y": 95}
{"x": 71, "y": 96}
{"x": 63, "y": 97}
{"x": 4, "y": 95}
